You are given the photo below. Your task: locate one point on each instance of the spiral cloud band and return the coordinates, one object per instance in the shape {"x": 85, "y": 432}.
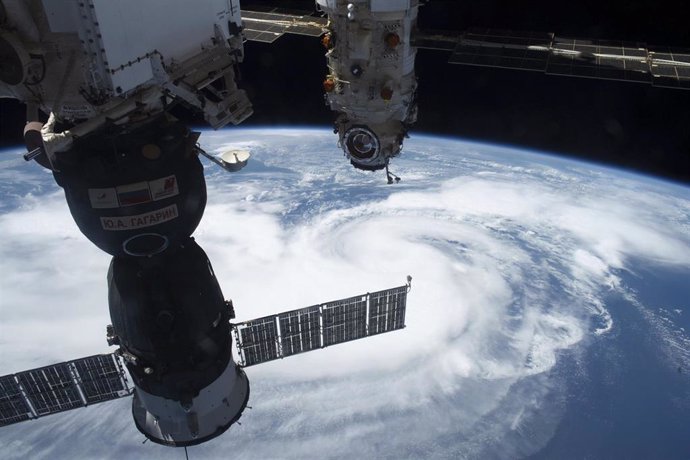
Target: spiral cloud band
{"x": 516, "y": 258}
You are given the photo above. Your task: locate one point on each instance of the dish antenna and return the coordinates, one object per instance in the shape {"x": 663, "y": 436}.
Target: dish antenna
{"x": 230, "y": 160}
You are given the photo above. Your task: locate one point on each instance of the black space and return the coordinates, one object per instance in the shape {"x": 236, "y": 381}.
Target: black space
{"x": 631, "y": 125}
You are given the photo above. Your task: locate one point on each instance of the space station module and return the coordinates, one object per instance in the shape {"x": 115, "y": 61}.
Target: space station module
{"x": 98, "y": 60}
{"x": 371, "y": 81}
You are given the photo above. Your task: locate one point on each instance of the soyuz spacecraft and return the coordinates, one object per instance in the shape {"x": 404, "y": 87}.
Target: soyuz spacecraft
{"x": 107, "y": 73}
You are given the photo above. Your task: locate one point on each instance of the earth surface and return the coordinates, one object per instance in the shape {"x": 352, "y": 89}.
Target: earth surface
{"x": 549, "y": 315}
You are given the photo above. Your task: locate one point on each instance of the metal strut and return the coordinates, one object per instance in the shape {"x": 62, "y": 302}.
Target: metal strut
{"x": 391, "y": 177}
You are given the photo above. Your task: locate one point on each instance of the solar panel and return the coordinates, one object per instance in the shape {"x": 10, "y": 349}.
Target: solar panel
{"x": 344, "y": 320}
{"x": 501, "y": 48}
{"x": 600, "y": 59}
{"x": 13, "y": 406}
{"x": 310, "y": 30}
{"x": 100, "y": 377}
{"x": 500, "y": 57}
{"x": 267, "y": 27}
{"x": 387, "y": 310}
{"x": 300, "y": 330}
{"x": 318, "y": 326}
{"x": 507, "y": 38}
{"x": 670, "y": 68}
{"x": 260, "y": 340}
{"x": 60, "y": 387}
{"x": 435, "y": 40}
{"x": 50, "y": 389}
{"x": 265, "y": 34}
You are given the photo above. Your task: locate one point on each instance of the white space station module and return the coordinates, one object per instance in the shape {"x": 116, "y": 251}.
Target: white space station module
{"x": 371, "y": 80}
{"x": 92, "y": 60}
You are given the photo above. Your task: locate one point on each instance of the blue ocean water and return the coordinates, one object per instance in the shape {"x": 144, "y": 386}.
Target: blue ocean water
{"x": 630, "y": 392}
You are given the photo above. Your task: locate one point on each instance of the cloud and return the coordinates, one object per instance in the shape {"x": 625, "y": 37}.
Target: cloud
{"x": 512, "y": 258}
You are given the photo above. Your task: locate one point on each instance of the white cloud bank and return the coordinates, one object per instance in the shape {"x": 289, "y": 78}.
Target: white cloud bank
{"x": 512, "y": 256}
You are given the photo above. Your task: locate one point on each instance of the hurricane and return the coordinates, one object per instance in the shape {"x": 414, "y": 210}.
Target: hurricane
{"x": 523, "y": 265}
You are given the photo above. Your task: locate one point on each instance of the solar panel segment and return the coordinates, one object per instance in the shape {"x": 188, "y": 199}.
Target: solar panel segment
{"x": 100, "y": 378}
{"x": 14, "y": 407}
{"x": 670, "y": 67}
{"x": 387, "y": 310}
{"x": 267, "y": 27}
{"x": 263, "y": 34}
{"x": 50, "y": 389}
{"x": 502, "y": 48}
{"x": 344, "y": 320}
{"x": 506, "y": 58}
{"x": 600, "y": 59}
{"x": 300, "y": 330}
{"x": 260, "y": 340}
{"x": 436, "y": 40}
{"x": 507, "y": 38}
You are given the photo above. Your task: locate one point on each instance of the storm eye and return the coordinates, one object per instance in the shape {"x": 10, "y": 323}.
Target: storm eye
{"x": 361, "y": 144}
